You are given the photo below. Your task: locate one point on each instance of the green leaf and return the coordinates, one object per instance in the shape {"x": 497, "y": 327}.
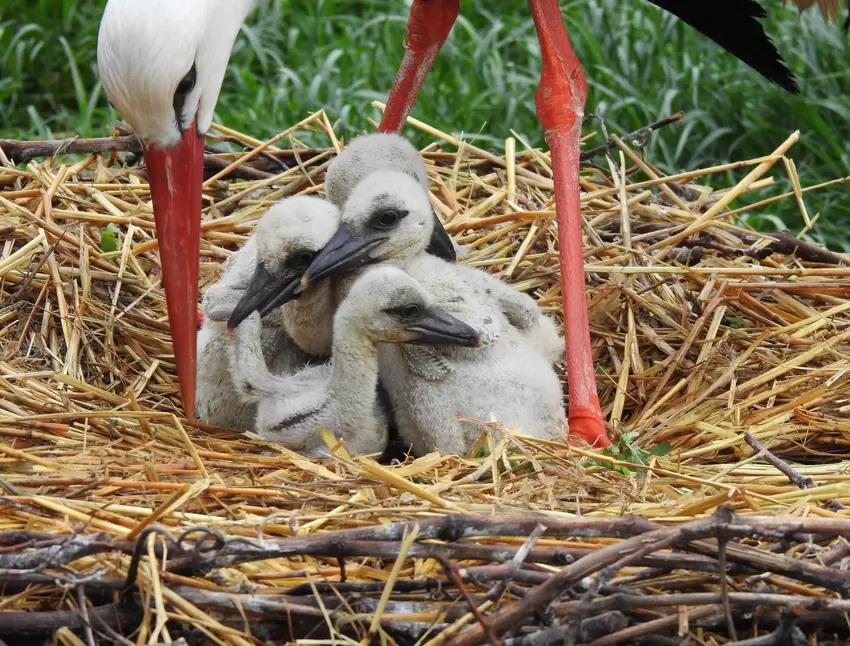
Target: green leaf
{"x": 109, "y": 237}
{"x": 521, "y": 466}
{"x": 631, "y": 452}
{"x": 627, "y": 451}
{"x": 662, "y": 449}
{"x": 735, "y": 322}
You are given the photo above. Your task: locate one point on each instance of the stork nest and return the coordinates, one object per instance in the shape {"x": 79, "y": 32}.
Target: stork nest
{"x": 722, "y": 362}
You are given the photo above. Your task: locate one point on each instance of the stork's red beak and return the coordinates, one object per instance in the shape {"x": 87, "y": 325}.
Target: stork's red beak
{"x": 176, "y": 176}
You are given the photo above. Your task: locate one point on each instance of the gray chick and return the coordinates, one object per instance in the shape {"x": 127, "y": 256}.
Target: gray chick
{"x": 384, "y": 306}
{"x": 381, "y": 151}
{"x": 284, "y": 243}
{"x": 386, "y": 220}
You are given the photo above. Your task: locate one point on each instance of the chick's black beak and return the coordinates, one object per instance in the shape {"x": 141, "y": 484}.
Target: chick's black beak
{"x": 435, "y": 326}
{"x": 265, "y": 293}
{"x": 440, "y": 244}
{"x": 344, "y": 252}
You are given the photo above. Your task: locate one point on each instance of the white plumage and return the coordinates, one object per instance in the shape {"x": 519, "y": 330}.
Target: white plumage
{"x": 383, "y": 151}
{"x": 291, "y": 336}
{"x": 386, "y": 220}
{"x": 432, "y": 385}
{"x": 388, "y": 213}
{"x": 367, "y": 154}
{"x": 146, "y": 47}
{"x": 385, "y": 305}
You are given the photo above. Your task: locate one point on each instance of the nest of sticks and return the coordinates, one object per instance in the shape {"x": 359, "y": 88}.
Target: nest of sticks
{"x": 722, "y": 369}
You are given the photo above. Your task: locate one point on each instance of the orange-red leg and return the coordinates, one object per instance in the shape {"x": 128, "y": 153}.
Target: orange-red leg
{"x": 560, "y": 107}
{"x": 428, "y": 27}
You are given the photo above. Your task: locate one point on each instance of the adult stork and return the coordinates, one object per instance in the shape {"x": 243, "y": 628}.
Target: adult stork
{"x": 162, "y": 63}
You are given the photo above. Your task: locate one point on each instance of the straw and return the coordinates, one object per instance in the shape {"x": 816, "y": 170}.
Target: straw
{"x": 709, "y": 339}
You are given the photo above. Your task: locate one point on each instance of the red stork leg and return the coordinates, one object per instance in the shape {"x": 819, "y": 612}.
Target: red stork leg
{"x": 428, "y": 27}
{"x": 560, "y": 107}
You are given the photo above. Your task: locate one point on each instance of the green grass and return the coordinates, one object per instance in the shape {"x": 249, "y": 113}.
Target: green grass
{"x": 642, "y": 64}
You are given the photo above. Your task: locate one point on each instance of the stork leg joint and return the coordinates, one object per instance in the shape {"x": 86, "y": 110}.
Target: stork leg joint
{"x": 429, "y": 23}
{"x": 428, "y": 27}
{"x": 562, "y": 92}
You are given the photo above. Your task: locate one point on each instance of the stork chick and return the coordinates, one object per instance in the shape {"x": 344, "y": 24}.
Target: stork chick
{"x": 269, "y": 265}
{"x": 384, "y": 305}
{"x": 386, "y": 220}
{"x": 382, "y": 151}
{"x": 447, "y": 413}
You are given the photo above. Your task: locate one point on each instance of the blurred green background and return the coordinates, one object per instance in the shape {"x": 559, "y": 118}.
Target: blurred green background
{"x": 295, "y": 56}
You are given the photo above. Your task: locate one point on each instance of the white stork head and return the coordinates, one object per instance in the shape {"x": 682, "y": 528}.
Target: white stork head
{"x": 162, "y": 63}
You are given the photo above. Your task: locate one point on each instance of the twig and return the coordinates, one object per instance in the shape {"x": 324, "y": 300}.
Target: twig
{"x": 112, "y": 633}
{"x": 640, "y": 133}
{"x": 629, "y": 602}
{"x": 803, "y": 482}
{"x": 477, "y": 575}
{"x": 694, "y": 533}
{"x": 796, "y": 478}
{"x": 603, "y": 624}
{"x": 591, "y": 628}
{"x": 6, "y": 486}
{"x": 631, "y": 634}
{"x": 24, "y": 550}
{"x": 762, "y": 560}
{"x": 724, "y": 586}
{"x": 837, "y": 553}
{"x": 245, "y": 171}
{"x": 199, "y": 547}
{"x": 22, "y": 152}
{"x": 31, "y": 273}
{"x": 45, "y": 623}
{"x": 17, "y": 580}
{"x": 579, "y": 617}
{"x": 256, "y": 603}
{"x": 355, "y": 542}
{"x": 609, "y": 141}
{"x": 786, "y": 634}
{"x": 541, "y": 596}
{"x": 783, "y": 243}
{"x": 454, "y": 577}
{"x": 212, "y": 549}
{"x": 517, "y": 560}
{"x": 65, "y": 549}
{"x": 548, "y": 637}
{"x": 706, "y": 241}
{"x": 139, "y": 548}
{"x": 786, "y": 243}
{"x": 84, "y": 611}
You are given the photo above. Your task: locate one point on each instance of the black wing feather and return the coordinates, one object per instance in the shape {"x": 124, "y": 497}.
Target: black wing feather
{"x": 734, "y": 25}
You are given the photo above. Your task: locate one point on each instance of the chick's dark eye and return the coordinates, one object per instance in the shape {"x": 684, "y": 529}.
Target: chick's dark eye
{"x": 302, "y": 259}
{"x": 386, "y": 219}
{"x": 410, "y": 312}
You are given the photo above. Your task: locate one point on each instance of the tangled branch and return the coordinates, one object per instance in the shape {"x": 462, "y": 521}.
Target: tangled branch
{"x": 582, "y": 601}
